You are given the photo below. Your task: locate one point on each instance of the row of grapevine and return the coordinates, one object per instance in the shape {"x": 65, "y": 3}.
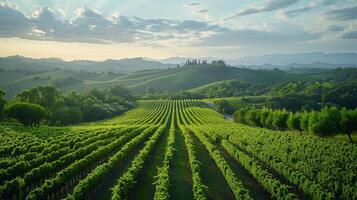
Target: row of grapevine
{"x": 272, "y": 185}
{"x": 92, "y": 159}
{"x": 96, "y": 176}
{"x": 198, "y": 187}
{"x": 125, "y": 182}
{"x": 162, "y": 183}
{"x": 326, "y": 174}
{"x": 236, "y": 186}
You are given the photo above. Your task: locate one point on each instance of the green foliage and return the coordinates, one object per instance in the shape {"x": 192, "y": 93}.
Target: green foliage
{"x": 280, "y": 119}
{"x": 329, "y": 121}
{"x": 326, "y": 122}
{"x": 26, "y": 113}
{"x": 304, "y": 122}
{"x": 275, "y": 119}
{"x": 74, "y": 107}
{"x": 2, "y": 103}
{"x": 349, "y": 122}
{"x": 294, "y": 121}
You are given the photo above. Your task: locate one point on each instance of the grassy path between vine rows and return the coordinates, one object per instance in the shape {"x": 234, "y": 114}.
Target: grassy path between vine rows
{"x": 255, "y": 189}
{"x": 293, "y": 187}
{"x": 180, "y": 172}
{"x": 144, "y": 188}
{"x": 211, "y": 176}
{"x": 105, "y": 191}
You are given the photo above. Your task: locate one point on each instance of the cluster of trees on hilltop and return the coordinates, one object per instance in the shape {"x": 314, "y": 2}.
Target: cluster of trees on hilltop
{"x": 327, "y": 122}
{"x": 196, "y": 62}
{"x": 49, "y": 105}
{"x": 204, "y": 62}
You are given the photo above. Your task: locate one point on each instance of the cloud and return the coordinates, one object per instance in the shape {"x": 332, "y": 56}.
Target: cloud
{"x": 202, "y": 11}
{"x": 309, "y": 7}
{"x": 350, "y": 35}
{"x": 90, "y": 26}
{"x": 13, "y": 23}
{"x": 267, "y": 6}
{"x": 194, "y": 4}
{"x": 336, "y": 28}
{"x": 286, "y": 35}
{"x": 342, "y": 14}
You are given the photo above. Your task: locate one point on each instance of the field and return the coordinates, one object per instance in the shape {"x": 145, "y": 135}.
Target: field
{"x": 172, "y": 149}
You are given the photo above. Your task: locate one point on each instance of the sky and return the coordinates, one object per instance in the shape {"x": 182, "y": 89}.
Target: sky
{"x": 97, "y": 30}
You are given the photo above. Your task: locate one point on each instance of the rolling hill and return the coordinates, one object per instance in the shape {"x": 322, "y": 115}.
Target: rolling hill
{"x": 171, "y": 80}
{"x": 126, "y": 65}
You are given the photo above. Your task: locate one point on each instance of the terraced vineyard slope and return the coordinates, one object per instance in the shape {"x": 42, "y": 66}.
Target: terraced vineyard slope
{"x": 172, "y": 149}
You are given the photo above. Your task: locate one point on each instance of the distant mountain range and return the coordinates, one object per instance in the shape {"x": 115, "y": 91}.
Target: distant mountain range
{"x": 285, "y": 61}
{"x": 128, "y": 65}
{"x": 119, "y": 66}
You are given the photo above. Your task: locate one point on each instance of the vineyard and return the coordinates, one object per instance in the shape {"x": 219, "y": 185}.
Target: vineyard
{"x": 172, "y": 149}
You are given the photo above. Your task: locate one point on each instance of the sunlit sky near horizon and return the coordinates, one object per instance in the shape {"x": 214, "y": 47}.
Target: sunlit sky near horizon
{"x": 97, "y": 30}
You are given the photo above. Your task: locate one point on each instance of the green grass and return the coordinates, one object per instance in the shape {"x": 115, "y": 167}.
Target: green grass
{"x": 105, "y": 191}
{"x": 144, "y": 187}
{"x": 344, "y": 137}
{"x": 180, "y": 172}
{"x": 255, "y": 189}
{"x": 211, "y": 176}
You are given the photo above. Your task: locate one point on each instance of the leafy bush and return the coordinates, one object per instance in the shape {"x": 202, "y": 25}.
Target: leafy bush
{"x": 26, "y": 113}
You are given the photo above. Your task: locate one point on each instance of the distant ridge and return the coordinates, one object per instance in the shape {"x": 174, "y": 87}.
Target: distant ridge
{"x": 285, "y": 61}
{"x": 126, "y": 65}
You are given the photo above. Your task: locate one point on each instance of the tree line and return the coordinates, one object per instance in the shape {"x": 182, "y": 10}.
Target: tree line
{"x": 51, "y": 106}
{"x": 329, "y": 121}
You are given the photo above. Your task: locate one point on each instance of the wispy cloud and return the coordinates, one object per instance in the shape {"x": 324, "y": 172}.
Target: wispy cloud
{"x": 194, "y": 4}
{"x": 267, "y": 6}
{"x": 350, "y": 35}
{"x": 202, "y": 11}
{"x": 315, "y": 4}
{"x": 342, "y": 14}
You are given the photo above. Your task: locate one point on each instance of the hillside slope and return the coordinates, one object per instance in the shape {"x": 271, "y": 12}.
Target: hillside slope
{"x": 171, "y": 80}
{"x": 187, "y": 78}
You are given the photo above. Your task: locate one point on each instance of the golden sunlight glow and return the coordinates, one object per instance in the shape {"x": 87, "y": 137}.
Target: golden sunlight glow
{"x": 78, "y": 51}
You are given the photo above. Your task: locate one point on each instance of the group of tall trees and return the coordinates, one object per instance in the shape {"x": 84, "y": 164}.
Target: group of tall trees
{"x": 328, "y": 121}
{"x": 50, "y": 105}
{"x": 204, "y": 62}
{"x": 196, "y": 62}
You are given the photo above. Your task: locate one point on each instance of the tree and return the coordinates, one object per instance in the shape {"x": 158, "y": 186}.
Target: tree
{"x": 2, "y": 103}
{"x": 228, "y": 110}
{"x": 326, "y": 122}
{"x": 280, "y": 118}
{"x": 263, "y": 115}
{"x": 222, "y": 105}
{"x": 293, "y": 121}
{"x": 118, "y": 90}
{"x": 252, "y": 117}
{"x": 304, "y": 121}
{"x": 218, "y": 62}
{"x": 238, "y": 115}
{"x": 349, "y": 122}
{"x": 150, "y": 90}
{"x": 26, "y": 113}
